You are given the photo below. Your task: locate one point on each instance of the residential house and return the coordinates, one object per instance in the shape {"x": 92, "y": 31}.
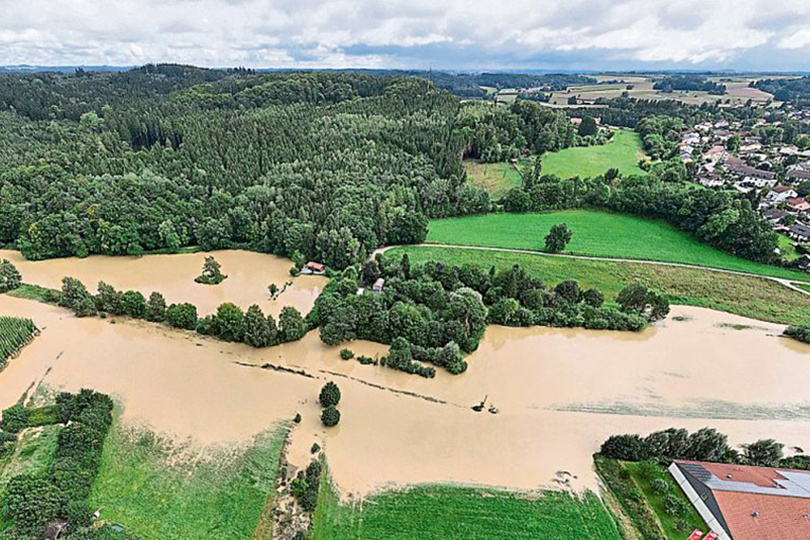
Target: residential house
{"x": 799, "y": 232}
{"x": 775, "y": 215}
{"x": 779, "y": 194}
{"x": 711, "y": 180}
{"x": 741, "y": 502}
{"x": 798, "y": 204}
{"x": 798, "y": 175}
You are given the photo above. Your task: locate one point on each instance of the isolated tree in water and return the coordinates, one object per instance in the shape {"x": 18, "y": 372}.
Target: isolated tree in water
{"x": 330, "y": 395}
{"x": 330, "y": 416}
{"x": 558, "y": 237}
{"x": 211, "y": 273}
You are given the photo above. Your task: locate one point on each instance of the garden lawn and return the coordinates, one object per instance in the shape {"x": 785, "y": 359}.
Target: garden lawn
{"x": 494, "y": 178}
{"x": 160, "y": 492}
{"x": 598, "y": 234}
{"x": 643, "y": 473}
{"x": 748, "y": 296}
{"x": 623, "y": 152}
{"x": 449, "y": 512}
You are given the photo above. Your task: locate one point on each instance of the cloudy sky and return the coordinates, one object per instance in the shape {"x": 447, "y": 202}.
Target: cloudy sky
{"x": 461, "y": 34}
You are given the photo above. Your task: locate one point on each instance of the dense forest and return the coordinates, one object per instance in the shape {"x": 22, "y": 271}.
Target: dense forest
{"x": 794, "y": 90}
{"x": 314, "y": 165}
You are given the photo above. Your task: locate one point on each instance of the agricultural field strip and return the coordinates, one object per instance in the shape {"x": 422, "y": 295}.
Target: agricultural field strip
{"x": 782, "y": 281}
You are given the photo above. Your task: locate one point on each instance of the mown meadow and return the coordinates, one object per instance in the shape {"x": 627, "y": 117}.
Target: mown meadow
{"x": 623, "y": 153}
{"x": 748, "y": 296}
{"x": 597, "y": 234}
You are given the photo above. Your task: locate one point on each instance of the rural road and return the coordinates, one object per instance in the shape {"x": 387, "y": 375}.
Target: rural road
{"x": 782, "y": 281}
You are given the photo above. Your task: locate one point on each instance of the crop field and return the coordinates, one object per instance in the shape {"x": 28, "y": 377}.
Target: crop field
{"x": 623, "y": 153}
{"x": 747, "y": 296}
{"x": 494, "y": 178}
{"x": 15, "y": 333}
{"x": 158, "y": 491}
{"x": 598, "y": 234}
{"x": 449, "y": 512}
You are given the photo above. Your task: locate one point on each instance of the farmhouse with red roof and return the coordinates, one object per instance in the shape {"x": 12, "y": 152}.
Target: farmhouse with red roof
{"x": 742, "y": 502}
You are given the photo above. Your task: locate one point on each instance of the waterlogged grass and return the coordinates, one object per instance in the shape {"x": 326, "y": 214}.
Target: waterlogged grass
{"x": 494, "y": 178}
{"x": 160, "y": 492}
{"x": 623, "y": 153}
{"x": 35, "y": 292}
{"x": 597, "y": 234}
{"x": 748, "y": 296}
{"x": 449, "y": 512}
{"x": 643, "y": 474}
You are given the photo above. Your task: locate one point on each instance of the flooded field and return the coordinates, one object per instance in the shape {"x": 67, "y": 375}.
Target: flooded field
{"x": 560, "y": 392}
{"x": 249, "y": 275}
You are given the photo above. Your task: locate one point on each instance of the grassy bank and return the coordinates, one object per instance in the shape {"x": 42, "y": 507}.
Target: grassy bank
{"x": 448, "y": 512}
{"x": 622, "y": 153}
{"x": 743, "y": 295}
{"x": 494, "y": 178}
{"x": 158, "y": 491}
{"x": 598, "y": 234}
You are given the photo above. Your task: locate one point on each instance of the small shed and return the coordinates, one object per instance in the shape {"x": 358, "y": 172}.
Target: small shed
{"x": 313, "y": 268}
{"x": 378, "y": 285}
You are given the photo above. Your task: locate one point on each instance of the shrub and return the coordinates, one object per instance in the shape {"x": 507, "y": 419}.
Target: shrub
{"x": 330, "y": 416}
{"x": 182, "y": 316}
{"x": 799, "y": 333}
{"x": 10, "y": 278}
{"x": 330, "y": 395}
{"x": 346, "y": 354}
{"x": 134, "y": 304}
{"x": 659, "y": 486}
{"x": 211, "y": 273}
{"x": 675, "y": 506}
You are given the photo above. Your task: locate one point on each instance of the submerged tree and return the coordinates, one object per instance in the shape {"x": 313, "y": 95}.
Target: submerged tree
{"x": 156, "y": 307}
{"x": 558, "y": 237}
{"x": 330, "y": 395}
{"x": 330, "y": 416}
{"x": 639, "y": 299}
{"x": 211, "y": 273}
{"x": 291, "y": 324}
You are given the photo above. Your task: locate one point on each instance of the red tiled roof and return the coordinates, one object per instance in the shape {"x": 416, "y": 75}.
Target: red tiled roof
{"x": 761, "y": 476}
{"x": 777, "y": 518}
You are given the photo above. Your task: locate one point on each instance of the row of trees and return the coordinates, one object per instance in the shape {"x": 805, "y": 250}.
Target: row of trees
{"x": 229, "y": 323}
{"x": 706, "y": 444}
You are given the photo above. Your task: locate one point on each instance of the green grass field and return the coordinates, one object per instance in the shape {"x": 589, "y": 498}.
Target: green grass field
{"x": 156, "y": 492}
{"x": 33, "y": 453}
{"x": 743, "y": 295}
{"x": 622, "y": 153}
{"x": 786, "y": 246}
{"x": 450, "y": 513}
{"x": 643, "y": 473}
{"x": 494, "y": 178}
{"x": 598, "y": 234}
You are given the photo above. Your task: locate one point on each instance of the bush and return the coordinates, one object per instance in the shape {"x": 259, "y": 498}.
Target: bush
{"x": 134, "y": 304}
{"x": 799, "y": 333}
{"x": 675, "y": 506}
{"x": 330, "y": 395}
{"x": 230, "y": 321}
{"x": 330, "y": 416}
{"x": 10, "y": 278}
{"x": 659, "y": 486}
{"x": 346, "y": 354}
{"x": 624, "y": 447}
{"x": 182, "y": 316}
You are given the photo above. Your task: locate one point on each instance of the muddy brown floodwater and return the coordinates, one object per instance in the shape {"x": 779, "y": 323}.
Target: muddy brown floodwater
{"x": 249, "y": 275}
{"x": 560, "y": 392}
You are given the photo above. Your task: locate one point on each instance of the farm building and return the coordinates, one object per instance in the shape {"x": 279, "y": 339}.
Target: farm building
{"x": 313, "y": 268}
{"x": 740, "y": 502}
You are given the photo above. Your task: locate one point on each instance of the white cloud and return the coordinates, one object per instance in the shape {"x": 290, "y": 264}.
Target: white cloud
{"x": 404, "y": 33}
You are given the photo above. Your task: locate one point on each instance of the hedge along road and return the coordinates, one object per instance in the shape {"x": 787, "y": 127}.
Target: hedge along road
{"x": 782, "y": 281}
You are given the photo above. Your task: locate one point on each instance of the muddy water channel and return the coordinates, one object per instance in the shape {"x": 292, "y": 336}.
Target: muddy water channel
{"x": 559, "y": 393}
